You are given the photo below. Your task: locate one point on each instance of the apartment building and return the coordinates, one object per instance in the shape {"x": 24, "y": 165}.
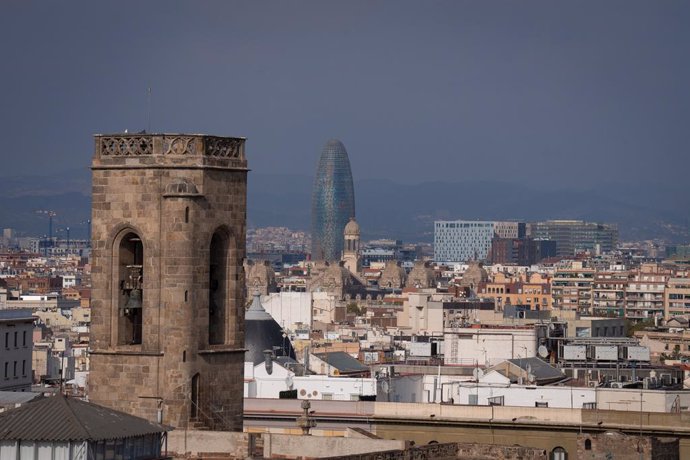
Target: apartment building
{"x": 677, "y": 297}
{"x": 645, "y": 295}
{"x": 532, "y": 290}
{"x": 608, "y": 293}
{"x": 16, "y": 343}
{"x": 571, "y": 288}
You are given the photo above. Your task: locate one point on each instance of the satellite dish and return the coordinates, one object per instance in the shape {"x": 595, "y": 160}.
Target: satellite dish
{"x": 531, "y": 378}
{"x": 543, "y": 352}
{"x": 478, "y": 373}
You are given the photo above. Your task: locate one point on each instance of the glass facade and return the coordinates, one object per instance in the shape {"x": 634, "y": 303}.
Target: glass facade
{"x": 574, "y": 236}
{"x": 462, "y": 240}
{"x": 333, "y": 202}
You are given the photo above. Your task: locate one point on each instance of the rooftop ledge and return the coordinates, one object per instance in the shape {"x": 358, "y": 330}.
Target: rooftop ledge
{"x": 168, "y": 150}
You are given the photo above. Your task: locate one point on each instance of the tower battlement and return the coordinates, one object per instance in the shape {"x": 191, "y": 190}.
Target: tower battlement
{"x": 168, "y": 150}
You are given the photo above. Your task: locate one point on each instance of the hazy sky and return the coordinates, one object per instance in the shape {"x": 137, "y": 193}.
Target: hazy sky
{"x": 554, "y": 92}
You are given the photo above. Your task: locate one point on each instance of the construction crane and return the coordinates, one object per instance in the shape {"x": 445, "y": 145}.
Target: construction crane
{"x": 88, "y": 230}
{"x": 50, "y": 214}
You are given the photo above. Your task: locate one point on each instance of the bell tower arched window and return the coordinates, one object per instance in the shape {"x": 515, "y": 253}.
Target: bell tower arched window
{"x": 217, "y": 289}
{"x": 130, "y": 266}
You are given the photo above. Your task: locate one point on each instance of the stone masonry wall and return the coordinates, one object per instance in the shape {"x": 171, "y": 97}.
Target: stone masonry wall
{"x": 175, "y": 204}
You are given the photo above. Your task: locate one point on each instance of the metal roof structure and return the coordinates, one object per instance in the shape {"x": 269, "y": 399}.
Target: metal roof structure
{"x": 542, "y": 371}
{"x": 262, "y": 332}
{"x": 16, "y": 314}
{"x": 58, "y": 418}
{"x": 10, "y": 398}
{"x": 342, "y": 361}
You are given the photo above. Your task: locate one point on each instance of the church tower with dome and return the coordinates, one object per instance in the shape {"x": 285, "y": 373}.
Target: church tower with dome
{"x": 351, "y": 253}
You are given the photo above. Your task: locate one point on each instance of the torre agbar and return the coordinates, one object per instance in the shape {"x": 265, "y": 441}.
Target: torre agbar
{"x": 333, "y": 201}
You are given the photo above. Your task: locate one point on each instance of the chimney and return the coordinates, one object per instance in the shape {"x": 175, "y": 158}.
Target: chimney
{"x": 268, "y": 360}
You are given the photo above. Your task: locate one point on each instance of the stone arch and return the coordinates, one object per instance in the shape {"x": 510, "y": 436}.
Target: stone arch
{"x": 118, "y": 232}
{"x": 128, "y": 275}
{"x": 225, "y": 290}
{"x": 559, "y": 453}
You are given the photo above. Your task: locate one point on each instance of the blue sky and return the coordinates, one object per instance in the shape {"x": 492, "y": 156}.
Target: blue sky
{"x": 554, "y": 94}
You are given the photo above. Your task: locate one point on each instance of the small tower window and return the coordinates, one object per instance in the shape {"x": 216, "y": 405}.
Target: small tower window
{"x": 186, "y": 215}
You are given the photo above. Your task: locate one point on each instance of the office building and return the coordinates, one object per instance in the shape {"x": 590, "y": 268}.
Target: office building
{"x": 333, "y": 202}
{"x": 462, "y": 240}
{"x": 575, "y": 236}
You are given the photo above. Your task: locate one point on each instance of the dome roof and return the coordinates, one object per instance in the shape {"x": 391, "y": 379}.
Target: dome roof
{"x": 474, "y": 275}
{"x": 421, "y": 276}
{"x": 352, "y": 227}
{"x": 262, "y": 332}
{"x": 393, "y": 276}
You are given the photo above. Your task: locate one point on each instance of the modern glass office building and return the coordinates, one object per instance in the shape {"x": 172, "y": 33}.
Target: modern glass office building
{"x": 574, "y": 236}
{"x": 333, "y": 202}
{"x": 462, "y": 240}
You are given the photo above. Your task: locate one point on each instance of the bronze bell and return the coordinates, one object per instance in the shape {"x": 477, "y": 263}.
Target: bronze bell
{"x": 134, "y": 300}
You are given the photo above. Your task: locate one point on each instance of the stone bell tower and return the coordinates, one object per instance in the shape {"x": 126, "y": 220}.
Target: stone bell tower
{"x": 169, "y": 224}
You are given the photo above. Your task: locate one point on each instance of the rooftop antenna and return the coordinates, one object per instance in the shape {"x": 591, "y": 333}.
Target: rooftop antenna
{"x": 148, "y": 109}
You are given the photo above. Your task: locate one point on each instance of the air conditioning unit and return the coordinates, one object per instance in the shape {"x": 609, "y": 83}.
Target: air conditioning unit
{"x": 592, "y": 384}
{"x": 616, "y": 385}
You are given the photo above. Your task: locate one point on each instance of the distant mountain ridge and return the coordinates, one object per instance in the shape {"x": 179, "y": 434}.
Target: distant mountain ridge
{"x": 384, "y": 207}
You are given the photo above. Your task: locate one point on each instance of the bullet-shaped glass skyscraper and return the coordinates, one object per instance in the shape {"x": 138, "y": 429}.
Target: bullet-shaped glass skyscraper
{"x": 333, "y": 202}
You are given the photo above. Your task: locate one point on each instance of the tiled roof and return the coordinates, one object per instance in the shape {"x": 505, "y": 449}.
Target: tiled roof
{"x": 58, "y": 418}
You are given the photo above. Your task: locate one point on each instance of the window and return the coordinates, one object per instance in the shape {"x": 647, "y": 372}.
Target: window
{"x": 541, "y": 404}
{"x": 130, "y": 278}
{"x": 327, "y": 396}
{"x": 217, "y": 290}
{"x": 7, "y": 339}
{"x": 496, "y": 401}
{"x": 7, "y": 368}
{"x": 16, "y": 334}
{"x": 588, "y": 444}
{"x": 23, "y": 368}
{"x": 14, "y": 368}
{"x": 24, "y": 338}
{"x": 559, "y": 453}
